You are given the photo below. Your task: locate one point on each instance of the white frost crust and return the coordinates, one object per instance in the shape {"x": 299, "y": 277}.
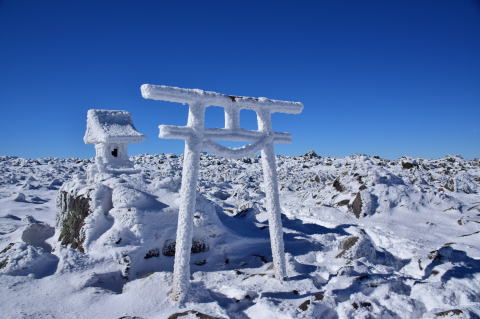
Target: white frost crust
{"x": 209, "y": 98}
{"x": 272, "y": 202}
{"x": 368, "y": 207}
{"x": 24, "y": 259}
{"x": 111, "y": 126}
{"x": 239, "y": 135}
{"x": 239, "y": 152}
{"x": 413, "y": 218}
{"x": 188, "y": 192}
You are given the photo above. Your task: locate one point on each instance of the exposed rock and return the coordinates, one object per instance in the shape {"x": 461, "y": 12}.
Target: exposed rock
{"x": 197, "y": 247}
{"x": 343, "y": 202}
{"x": 355, "y": 247}
{"x": 247, "y": 160}
{"x": 364, "y": 204}
{"x": 319, "y": 297}
{"x": 3, "y": 263}
{"x": 348, "y": 243}
{"x": 449, "y": 313}
{"x": 82, "y": 211}
{"x": 357, "y": 205}
{"x": 155, "y": 252}
{"x": 339, "y": 187}
{"x": 262, "y": 258}
{"x": 450, "y": 185}
{"x": 408, "y": 165}
{"x": 19, "y": 197}
{"x": 169, "y": 248}
{"x": 10, "y": 245}
{"x": 197, "y": 314}
{"x": 311, "y": 154}
{"x": 74, "y": 210}
{"x": 362, "y": 304}
{"x": 304, "y": 305}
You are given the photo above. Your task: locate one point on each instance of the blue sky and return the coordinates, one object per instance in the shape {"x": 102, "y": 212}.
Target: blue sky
{"x": 386, "y": 78}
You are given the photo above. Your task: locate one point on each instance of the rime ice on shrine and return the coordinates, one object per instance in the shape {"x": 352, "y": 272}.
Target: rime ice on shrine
{"x": 198, "y": 138}
{"x": 111, "y": 131}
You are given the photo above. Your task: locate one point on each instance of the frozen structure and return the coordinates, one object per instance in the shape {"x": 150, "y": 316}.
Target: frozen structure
{"x": 198, "y": 138}
{"x": 111, "y": 131}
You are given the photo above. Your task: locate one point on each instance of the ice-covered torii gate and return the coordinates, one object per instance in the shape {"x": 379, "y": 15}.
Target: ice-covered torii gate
{"x": 198, "y": 138}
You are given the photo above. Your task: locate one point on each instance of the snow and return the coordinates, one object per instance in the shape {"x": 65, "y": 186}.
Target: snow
{"x": 111, "y": 126}
{"x": 417, "y": 254}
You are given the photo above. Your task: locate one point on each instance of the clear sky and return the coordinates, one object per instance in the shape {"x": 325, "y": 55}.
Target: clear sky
{"x": 388, "y": 78}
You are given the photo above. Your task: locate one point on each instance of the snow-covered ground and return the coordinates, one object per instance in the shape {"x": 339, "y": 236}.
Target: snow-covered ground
{"x": 364, "y": 237}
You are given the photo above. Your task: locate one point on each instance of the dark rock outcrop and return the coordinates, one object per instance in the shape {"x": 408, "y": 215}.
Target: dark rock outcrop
{"x": 187, "y": 313}
{"x": 73, "y": 211}
{"x": 197, "y": 247}
{"x": 408, "y": 165}
{"x": 357, "y": 205}
{"x": 338, "y": 186}
{"x": 311, "y": 154}
{"x": 449, "y": 313}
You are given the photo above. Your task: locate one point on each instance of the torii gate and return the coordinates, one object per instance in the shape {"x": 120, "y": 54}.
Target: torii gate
{"x": 198, "y": 138}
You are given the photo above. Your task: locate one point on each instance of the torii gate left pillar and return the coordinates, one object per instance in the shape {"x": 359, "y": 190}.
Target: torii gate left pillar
{"x": 188, "y": 193}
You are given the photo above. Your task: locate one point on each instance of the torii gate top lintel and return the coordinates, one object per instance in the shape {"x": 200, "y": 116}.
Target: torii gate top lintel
{"x": 209, "y": 98}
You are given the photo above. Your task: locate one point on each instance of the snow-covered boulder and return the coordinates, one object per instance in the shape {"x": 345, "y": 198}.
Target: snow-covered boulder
{"x": 20, "y": 259}
{"x": 29, "y": 253}
{"x": 364, "y": 204}
{"x": 131, "y": 222}
{"x": 35, "y": 233}
{"x": 359, "y": 246}
{"x": 77, "y": 203}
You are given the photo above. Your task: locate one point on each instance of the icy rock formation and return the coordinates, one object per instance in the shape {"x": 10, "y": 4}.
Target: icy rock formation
{"x": 19, "y": 197}
{"x": 129, "y": 221}
{"x": 35, "y": 233}
{"x": 29, "y": 254}
{"x": 363, "y": 204}
{"x": 78, "y": 203}
{"x": 22, "y": 259}
{"x": 355, "y": 247}
{"x": 425, "y": 262}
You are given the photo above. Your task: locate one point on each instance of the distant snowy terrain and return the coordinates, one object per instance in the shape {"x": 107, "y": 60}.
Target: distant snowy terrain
{"x": 364, "y": 237}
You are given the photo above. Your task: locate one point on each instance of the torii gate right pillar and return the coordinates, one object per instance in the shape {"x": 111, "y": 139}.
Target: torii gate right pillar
{"x": 269, "y": 168}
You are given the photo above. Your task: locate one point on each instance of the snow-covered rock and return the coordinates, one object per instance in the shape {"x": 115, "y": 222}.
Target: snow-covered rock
{"x": 412, "y": 252}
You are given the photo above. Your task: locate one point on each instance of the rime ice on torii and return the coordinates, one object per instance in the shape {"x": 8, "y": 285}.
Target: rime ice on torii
{"x": 198, "y": 138}
{"x": 111, "y": 131}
